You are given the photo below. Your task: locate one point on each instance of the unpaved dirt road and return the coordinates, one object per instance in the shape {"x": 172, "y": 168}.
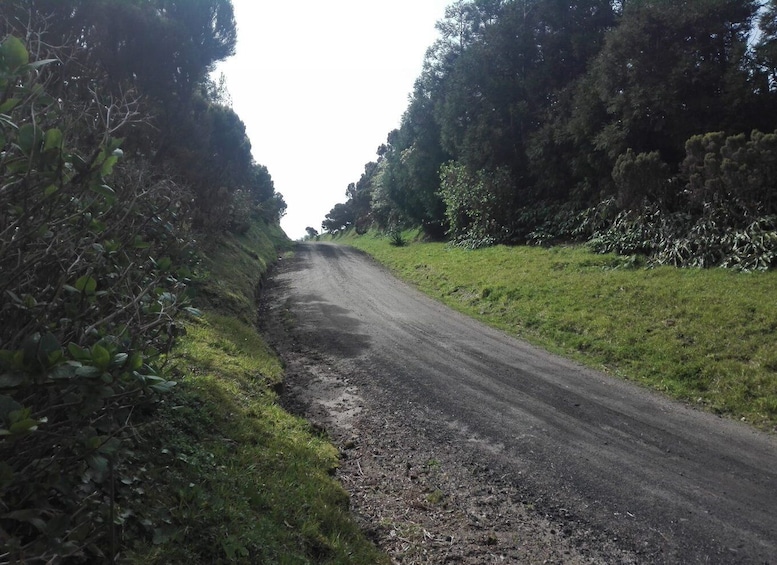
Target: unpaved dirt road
{"x": 463, "y": 445}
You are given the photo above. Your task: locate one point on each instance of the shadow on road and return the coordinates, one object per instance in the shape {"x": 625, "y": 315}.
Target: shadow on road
{"x": 330, "y": 328}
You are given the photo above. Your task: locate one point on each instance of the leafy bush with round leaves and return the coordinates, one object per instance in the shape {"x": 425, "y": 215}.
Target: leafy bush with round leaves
{"x": 90, "y": 292}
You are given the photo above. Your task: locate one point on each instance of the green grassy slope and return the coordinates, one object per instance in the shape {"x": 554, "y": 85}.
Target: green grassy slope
{"x": 708, "y": 337}
{"x": 243, "y": 481}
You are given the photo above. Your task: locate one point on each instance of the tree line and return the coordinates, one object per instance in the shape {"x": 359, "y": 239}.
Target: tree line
{"x": 640, "y": 126}
{"x": 120, "y": 159}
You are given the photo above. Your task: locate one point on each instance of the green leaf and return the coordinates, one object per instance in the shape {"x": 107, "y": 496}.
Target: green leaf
{"x": 44, "y": 232}
{"x": 53, "y": 140}
{"x": 24, "y": 426}
{"x": 97, "y": 227}
{"x": 119, "y": 359}
{"x": 164, "y": 264}
{"x": 140, "y": 244}
{"x": 93, "y": 442}
{"x": 8, "y": 405}
{"x": 13, "y": 53}
{"x": 163, "y": 387}
{"x": 49, "y": 350}
{"x": 50, "y": 189}
{"x": 136, "y": 362}
{"x": 108, "y": 164}
{"x": 151, "y": 378}
{"x": 97, "y": 162}
{"x": 99, "y": 465}
{"x": 183, "y": 272}
{"x": 113, "y": 146}
{"x": 105, "y": 191}
{"x": 193, "y": 312}
{"x": 17, "y": 360}
{"x": 86, "y": 284}
{"x": 41, "y": 63}
{"x": 11, "y": 380}
{"x": 110, "y": 446}
{"x": 65, "y": 371}
{"x": 9, "y": 105}
{"x": 19, "y": 415}
{"x": 101, "y": 357}
{"x": 79, "y": 353}
{"x": 49, "y": 343}
{"x": 29, "y": 138}
{"x": 88, "y": 372}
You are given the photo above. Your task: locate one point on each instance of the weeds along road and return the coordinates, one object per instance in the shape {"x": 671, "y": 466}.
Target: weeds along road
{"x": 660, "y": 480}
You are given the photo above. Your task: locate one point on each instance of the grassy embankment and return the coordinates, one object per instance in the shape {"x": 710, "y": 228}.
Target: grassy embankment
{"x": 708, "y": 337}
{"x": 243, "y": 481}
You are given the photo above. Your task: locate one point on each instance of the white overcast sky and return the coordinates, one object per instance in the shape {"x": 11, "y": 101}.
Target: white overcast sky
{"x": 319, "y": 86}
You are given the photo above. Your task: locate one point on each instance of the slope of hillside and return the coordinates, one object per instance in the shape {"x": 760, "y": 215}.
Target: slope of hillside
{"x": 242, "y": 479}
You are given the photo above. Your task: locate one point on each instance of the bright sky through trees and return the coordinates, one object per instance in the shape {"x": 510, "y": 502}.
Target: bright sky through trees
{"x": 319, "y": 85}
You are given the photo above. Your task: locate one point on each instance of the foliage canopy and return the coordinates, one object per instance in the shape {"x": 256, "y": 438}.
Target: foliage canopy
{"x": 574, "y": 105}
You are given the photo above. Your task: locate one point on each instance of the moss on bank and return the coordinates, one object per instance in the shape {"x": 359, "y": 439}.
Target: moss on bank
{"x": 243, "y": 481}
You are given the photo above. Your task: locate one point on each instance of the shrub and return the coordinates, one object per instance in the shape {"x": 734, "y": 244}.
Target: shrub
{"x": 734, "y": 171}
{"x": 477, "y": 205}
{"x": 730, "y": 213}
{"x": 640, "y": 178}
{"x": 90, "y": 292}
{"x": 395, "y": 237}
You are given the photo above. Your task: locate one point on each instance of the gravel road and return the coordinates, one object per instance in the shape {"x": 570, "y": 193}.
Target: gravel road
{"x": 461, "y": 444}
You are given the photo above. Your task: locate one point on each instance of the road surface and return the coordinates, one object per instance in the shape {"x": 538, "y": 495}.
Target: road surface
{"x": 653, "y": 476}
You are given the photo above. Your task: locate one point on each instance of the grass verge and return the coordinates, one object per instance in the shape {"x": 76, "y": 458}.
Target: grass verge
{"x": 233, "y": 477}
{"x": 706, "y": 337}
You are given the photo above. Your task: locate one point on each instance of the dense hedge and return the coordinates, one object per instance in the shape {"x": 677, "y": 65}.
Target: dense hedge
{"x": 92, "y": 256}
{"x": 100, "y": 226}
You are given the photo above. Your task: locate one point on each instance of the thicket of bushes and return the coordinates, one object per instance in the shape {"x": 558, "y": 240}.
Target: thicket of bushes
{"x": 635, "y": 125}
{"x": 100, "y": 222}
{"x": 720, "y": 210}
{"x": 90, "y": 297}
